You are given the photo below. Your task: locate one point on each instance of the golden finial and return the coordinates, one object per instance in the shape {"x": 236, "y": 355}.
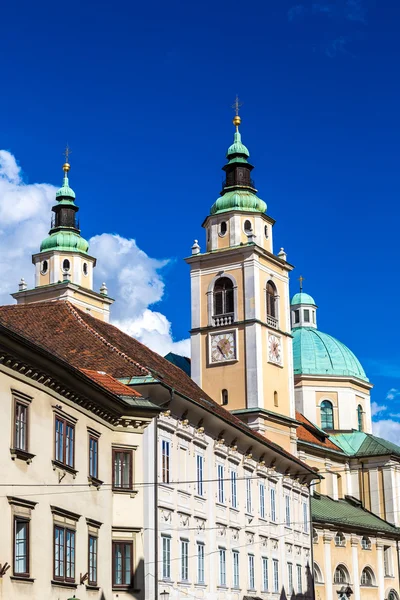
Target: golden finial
{"x": 236, "y": 119}
{"x": 66, "y": 165}
{"x": 301, "y": 279}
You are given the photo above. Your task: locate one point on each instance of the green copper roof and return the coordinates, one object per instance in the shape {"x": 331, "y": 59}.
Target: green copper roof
{"x": 347, "y": 514}
{"x": 358, "y": 443}
{"x": 317, "y": 353}
{"x": 239, "y": 200}
{"x": 65, "y": 191}
{"x": 302, "y": 298}
{"x": 237, "y": 147}
{"x": 65, "y": 241}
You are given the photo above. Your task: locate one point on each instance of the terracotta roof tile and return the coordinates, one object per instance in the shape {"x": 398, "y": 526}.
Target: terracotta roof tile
{"x": 111, "y": 384}
{"x": 88, "y": 343}
{"x": 308, "y": 432}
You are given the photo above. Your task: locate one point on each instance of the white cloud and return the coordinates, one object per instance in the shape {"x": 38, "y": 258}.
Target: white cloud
{"x": 387, "y": 429}
{"x": 133, "y": 278}
{"x": 376, "y": 408}
{"x": 392, "y": 394}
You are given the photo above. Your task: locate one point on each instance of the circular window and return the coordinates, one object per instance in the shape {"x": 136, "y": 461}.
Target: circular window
{"x": 266, "y": 231}
{"x": 66, "y": 265}
{"x": 247, "y": 226}
{"x": 85, "y": 268}
{"x": 45, "y": 267}
{"x": 222, "y": 228}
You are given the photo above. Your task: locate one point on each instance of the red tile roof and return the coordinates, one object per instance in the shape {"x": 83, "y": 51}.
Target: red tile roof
{"x": 110, "y": 383}
{"x": 88, "y": 343}
{"x": 308, "y": 432}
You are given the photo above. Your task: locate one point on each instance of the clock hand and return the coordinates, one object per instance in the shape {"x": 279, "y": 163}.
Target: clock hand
{"x": 220, "y": 350}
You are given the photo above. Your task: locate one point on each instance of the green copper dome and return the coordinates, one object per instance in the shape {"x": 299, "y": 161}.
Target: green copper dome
{"x": 317, "y": 353}
{"x": 302, "y": 298}
{"x": 239, "y": 200}
{"x": 65, "y": 191}
{"x": 65, "y": 241}
{"x": 237, "y": 147}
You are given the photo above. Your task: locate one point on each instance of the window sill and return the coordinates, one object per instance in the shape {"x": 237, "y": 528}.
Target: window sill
{"x": 64, "y": 584}
{"x": 93, "y": 588}
{"x": 21, "y": 578}
{"x": 66, "y": 468}
{"x": 94, "y": 481}
{"x": 222, "y": 587}
{"x": 22, "y": 455}
{"x": 123, "y": 588}
{"x": 132, "y": 493}
{"x": 200, "y": 585}
{"x": 184, "y": 583}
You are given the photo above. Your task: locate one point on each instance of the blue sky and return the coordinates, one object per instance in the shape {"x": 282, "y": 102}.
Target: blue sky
{"x": 142, "y": 94}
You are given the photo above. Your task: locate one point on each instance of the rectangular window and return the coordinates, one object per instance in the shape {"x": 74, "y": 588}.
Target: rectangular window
{"x": 299, "y": 579}
{"x": 252, "y": 584}
{"x": 93, "y": 456}
{"x": 182, "y": 465}
{"x": 165, "y": 457}
{"x": 21, "y": 547}
{"x": 264, "y": 574}
{"x": 20, "y": 426}
{"x": 235, "y": 557}
{"x": 248, "y": 495}
{"x": 200, "y": 562}
{"x": 287, "y": 510}
{"x": 166, "y": 557}
{"x": 221, "y": 494}
{"x": 92, "y": 570}
{"x": 297, "y": 316}
{"x": 306, "y": 315}
{"x": 273, "y": 504}
{"x": 200, "y": 469}
{"x": 305, "y": 517}
{"x": 234, "y": 488}
{"x": 184, "y": 560}
{"x": 290, "y": 578}
{"x": 387, "y": 561}
{"x": 262, "y": 498}
{"x": 222, "y": 567}
{"x": 122, "y": 564}
{"x": 65, "y": 439}
{"x": 122, "y": 469}
{"x": 275, "y": 566}
{"x": 64, "y": 554}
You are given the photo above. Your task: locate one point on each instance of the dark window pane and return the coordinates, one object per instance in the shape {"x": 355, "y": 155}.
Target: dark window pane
{"x": 21, "y": 551}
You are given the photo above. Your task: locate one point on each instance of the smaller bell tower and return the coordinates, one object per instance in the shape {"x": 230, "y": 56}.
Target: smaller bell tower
{"x": 63, "y": 267}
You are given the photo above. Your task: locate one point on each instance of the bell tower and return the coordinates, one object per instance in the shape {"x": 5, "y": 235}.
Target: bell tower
{"x": 63, "y": 267}
{"x": 240, "y": 332}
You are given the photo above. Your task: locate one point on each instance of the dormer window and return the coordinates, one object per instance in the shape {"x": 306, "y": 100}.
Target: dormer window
{"x": 366, "y": 543}
{"x": 340, "y": 540}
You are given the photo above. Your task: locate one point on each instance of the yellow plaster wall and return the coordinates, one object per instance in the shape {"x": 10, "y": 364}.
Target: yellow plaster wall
{"x": 278, "y": 433}
{"x": 337, "y": 383}
{"x": 205, "y": 283}
{"x": 276, "y": 378}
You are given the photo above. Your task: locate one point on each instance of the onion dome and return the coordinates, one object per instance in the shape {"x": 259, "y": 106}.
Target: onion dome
{"x": 315, "y": 352}
{"x": 238, "y": 192}
{"x": 65, "y": 233}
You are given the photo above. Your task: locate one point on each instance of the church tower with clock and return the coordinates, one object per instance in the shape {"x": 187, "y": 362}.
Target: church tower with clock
{"x": 241, "y": 345}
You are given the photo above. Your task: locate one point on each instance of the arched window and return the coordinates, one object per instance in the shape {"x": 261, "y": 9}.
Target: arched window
{"x": 317, "y": 574}
{"x": 222, "y": 228}
{"x": 341, "y": 575}
{"x": 340, "y": 540}
{"x": 66, "y": 265}
{"x": 393, "y": 595}
{"x": 248, "y": 228}
{"x": 360, "y": 419}
{"x": 272, "y": 305}
{"x": 365, "y": 543}
{"x": 224, "y": 397}
{"x": 45, "y": 267}
{"x": 276, "y": 399}
{"x": 326, "y": 415}
{"x": 223, "y": 296}
{"x": 367, "y": 577}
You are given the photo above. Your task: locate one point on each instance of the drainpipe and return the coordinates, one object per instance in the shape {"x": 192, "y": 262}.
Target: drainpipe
{"x": 156, "y": 508}
{"x": 311, "y": 542}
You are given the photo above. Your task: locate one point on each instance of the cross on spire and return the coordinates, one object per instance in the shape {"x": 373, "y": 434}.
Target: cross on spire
{"x": 301, "y": 279}
{"x": 237, "y": 104}
{"x": 67, "y": 152}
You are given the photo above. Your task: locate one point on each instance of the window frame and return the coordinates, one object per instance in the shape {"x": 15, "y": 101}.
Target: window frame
{"x": 25, "y": 406}
{"x": 91, "y": 581}
{"x": 184, "y": 560}
{"x": 165, "y": 461}
{"x": 129, "y": 452}
{"x": 166, "y": 557}
{"x": 370, "y": 573}
{"x": 95, "y": 439}
{"x": 261, "y": 496}
{"x": 340, "y": 569}
{"x": 323, "y": 414}
{"x": 233, "y": 478}
{"x": 249, "y": 496}
{"x": 200, "y": 474}
{"x": 305, "y": 516}
{"x": 264, "y": 570}
{"x": 227, "y": 297}
{"x": 235, "y": 569}
{"x": 360, "y": 418}
{"x": 251, "y": 572}
{"x": 288, "y": 520}
{"x": 271, "y": 302}
{"x": 66, "y": 530}
{"x": 200, "y": 563}
{"x": 290, "y": 578}
{"x": 272, "y": 495}
{"x": 275, "y": 571}
{"x": 66, "y": 423}
{"x": 26, "y": 520}
{"x": 299, "y": 572}
{"x": 124, "y": 543}
{"x": 222, "y": 567}
{"x": 220, "y": 484}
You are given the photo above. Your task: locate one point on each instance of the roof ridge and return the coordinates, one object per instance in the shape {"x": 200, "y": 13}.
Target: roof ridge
{"x": 75, "y": 313}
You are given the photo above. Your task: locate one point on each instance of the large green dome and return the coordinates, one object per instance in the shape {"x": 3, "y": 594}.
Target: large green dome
{"x": 302, "y": 298}
{"x": 65, "y": 241}
{"x": 317, "y": 353}
{"x": 239, "y": 200}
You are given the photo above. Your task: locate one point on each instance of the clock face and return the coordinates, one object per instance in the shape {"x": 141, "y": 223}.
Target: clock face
{"x": 274, "y": 349}
{"x": 223, "y": 347}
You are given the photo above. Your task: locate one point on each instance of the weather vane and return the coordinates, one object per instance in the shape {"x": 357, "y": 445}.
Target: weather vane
{"x": 301, "y": 279}
{"x": 237, "y": 105}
